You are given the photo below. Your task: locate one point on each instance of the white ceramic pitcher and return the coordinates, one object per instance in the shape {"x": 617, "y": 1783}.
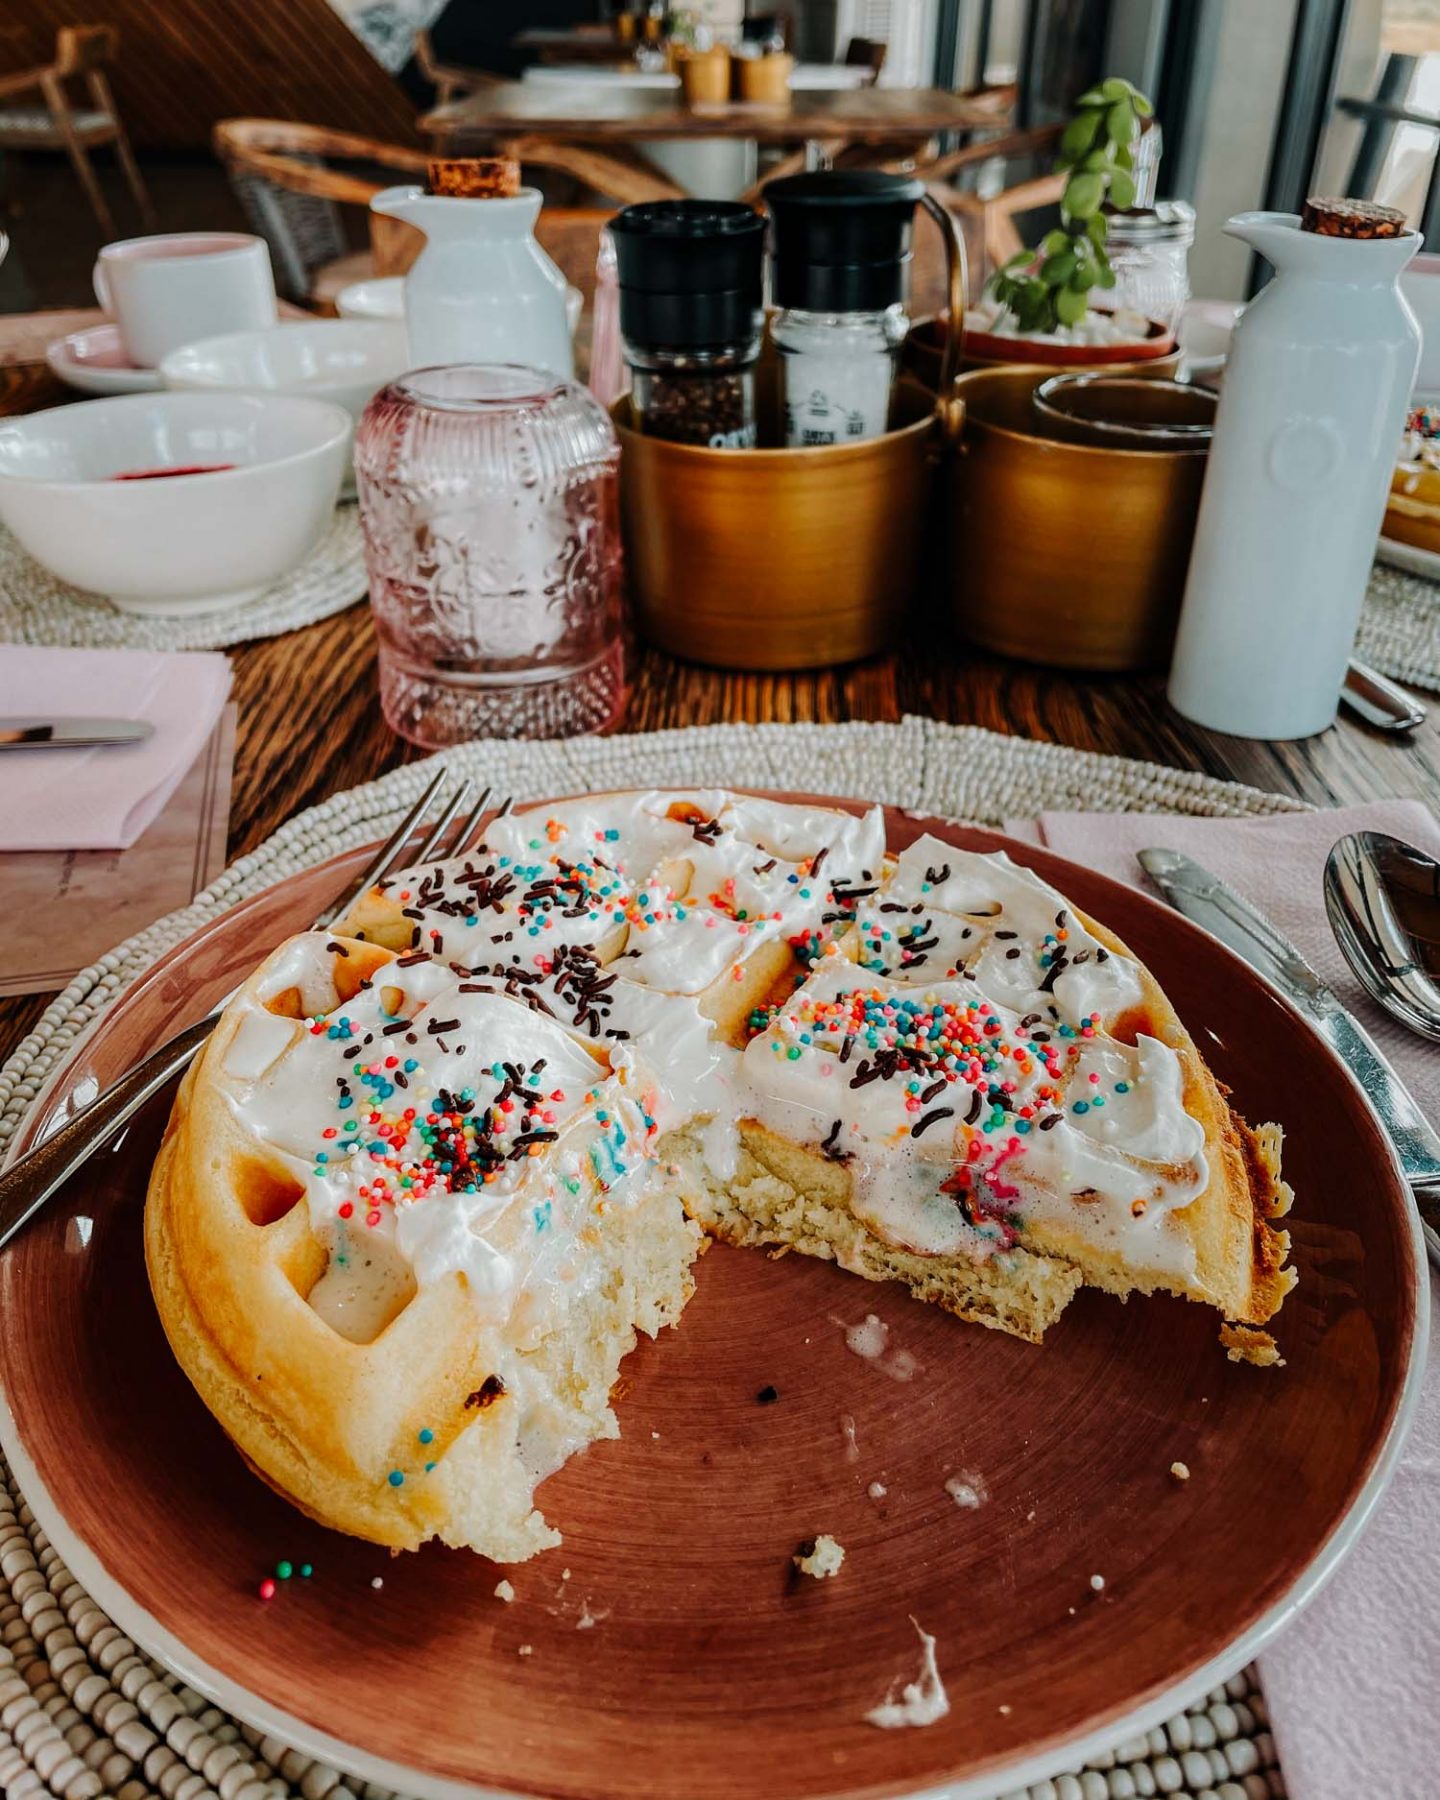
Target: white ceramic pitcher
{"x": 1314, "y": 401}
{"x": 482, "y": 289}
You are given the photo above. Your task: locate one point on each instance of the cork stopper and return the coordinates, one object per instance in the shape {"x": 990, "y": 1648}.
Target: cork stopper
{"x": 1351, "y": 219}
{"x": 473, "y": 177}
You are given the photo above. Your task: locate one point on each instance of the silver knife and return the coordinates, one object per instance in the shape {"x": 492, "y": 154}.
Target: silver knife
{"x": 71, "y": 734}
{"x": 1207, "y": 900}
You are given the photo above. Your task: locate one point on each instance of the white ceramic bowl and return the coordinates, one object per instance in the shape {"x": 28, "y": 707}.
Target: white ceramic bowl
{"x": 173, "y": 543}
{"x": 384, "y": 298}
{"x": 344, "y": 360}
{"x": 381, "y": 298}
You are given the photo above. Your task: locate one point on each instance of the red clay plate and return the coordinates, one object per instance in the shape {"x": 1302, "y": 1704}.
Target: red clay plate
{"x": 710, "y": 1670}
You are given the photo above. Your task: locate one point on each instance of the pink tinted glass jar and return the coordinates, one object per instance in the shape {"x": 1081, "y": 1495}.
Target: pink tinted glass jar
{"x": 488, "y": 502}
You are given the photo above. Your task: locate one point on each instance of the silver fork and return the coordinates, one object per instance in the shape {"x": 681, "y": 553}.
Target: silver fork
{"x": 26, "y": 1187}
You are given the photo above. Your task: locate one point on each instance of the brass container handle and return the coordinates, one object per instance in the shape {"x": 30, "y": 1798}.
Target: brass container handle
{"x": 949, "y": 406}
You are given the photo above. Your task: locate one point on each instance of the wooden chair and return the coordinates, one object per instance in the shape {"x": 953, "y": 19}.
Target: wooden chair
{"x": 81, "y": 52}
{"x": 449, "y": 80}
{"x": 866, "y": 53}
{"x": 992, "y": 216}
{"x": 292, "y": 181}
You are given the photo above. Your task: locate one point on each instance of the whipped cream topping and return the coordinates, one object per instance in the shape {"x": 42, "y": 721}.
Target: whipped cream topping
{"x": 436, "y": 1127}
{"x": 945, "y": 911}
{"x": 961, "y": 1120}
{"x": 675, "y": 888}
{"x": 949, "y": 1040}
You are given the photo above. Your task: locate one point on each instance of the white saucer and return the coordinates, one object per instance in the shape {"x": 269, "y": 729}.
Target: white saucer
{"x": 1409, "y": 557}
{"x": 96, "y": 362}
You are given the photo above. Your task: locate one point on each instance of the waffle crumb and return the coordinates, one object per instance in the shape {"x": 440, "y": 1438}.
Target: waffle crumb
{"x": 526, "y": 1650}
{"x": 1248, "y": 1344}
{"x": 1098, "y": 1583}
{"x": 821, "y": 1558}
{"x": 1180, "y": 1470}
{"x": 504, "y": 1591}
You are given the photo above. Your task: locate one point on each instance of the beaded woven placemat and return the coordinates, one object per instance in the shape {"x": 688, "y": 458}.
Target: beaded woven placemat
{"x": 36, "y": 607}
{"x": 83, "y": 1712}
{"x": 1400, "y": 627}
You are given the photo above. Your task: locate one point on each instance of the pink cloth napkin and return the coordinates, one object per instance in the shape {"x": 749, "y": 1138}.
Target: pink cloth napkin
{"x": 101, "y": 799}
{"x": 1353, "y": 1686}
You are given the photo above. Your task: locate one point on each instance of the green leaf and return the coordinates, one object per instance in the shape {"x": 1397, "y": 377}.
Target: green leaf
{"x": 1054, "y": 242}
{"x": 1142, "y": 106}
{"x": 1096, "y": 160}
{"x": 1097, "y": 229}
{"x": 1124, "y": 157}
{"x": 1092, "y": 97}
{"x": 1116, "y": 88}
{"x": 1070, "y": 307}
{"x": 1105, "y": 276}
{"x": 1032, "y": 307}
{"x": 1083, "y": 194}
{"x": 1078, "y": 136}
{"x": 1059, "y": 269}
{"x": 1082, "y": 280}
{"x": 1022, "y": 259}
{"x": 1121, "y": 123}
{"x": 1122, "y": 189}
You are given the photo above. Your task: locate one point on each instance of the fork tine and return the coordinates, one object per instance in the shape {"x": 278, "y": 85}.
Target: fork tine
{"x": 385, "y": 857}
{"x": 467, "y": 834}
{"x": 430, "y": 849}
{"x": 504, "y": 807}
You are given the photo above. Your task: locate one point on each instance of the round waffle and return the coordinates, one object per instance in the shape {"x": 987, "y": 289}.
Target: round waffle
{"x": 435, "y": 1170}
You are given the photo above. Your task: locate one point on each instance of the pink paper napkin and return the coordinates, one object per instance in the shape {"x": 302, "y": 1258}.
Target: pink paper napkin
{"x": 101, "y": 799}
{"x": 1354, "y": 1685}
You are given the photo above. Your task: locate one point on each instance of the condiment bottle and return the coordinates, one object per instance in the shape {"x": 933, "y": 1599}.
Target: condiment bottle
{"x": 691, "y": 319}
{"x": 1309, "y": 429}
{"x": 839, "y": 263}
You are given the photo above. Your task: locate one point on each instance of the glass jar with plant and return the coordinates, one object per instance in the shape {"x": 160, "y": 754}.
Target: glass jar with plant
{"x": 1047, "y": 291}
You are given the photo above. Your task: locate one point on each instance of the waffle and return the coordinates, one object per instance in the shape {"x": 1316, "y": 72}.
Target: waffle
{"x": 437, "y": 1168}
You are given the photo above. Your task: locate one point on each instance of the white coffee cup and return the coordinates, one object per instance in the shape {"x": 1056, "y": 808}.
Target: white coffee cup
{"x": 170, "y": 290}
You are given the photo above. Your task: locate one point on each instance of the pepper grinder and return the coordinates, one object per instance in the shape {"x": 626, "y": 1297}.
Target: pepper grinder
{"x": 1314, "y": 400}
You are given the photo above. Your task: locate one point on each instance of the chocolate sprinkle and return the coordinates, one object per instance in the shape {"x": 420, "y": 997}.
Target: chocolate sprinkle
{"x": 933, "y": 1117}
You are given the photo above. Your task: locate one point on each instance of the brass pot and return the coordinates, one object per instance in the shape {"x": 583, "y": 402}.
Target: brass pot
{"x": 1063, "y": 553}
{"x": 785, "y": 558}
{"x": 927, "y": 340}
{"x": 776, "y": 559}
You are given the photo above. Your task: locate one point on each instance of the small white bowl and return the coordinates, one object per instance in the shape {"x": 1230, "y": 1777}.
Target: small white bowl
{"x": 344, "y": 360}
{"x": 173, "y": 543}
{"x": 381, "y": 298}
{"x": 384, "y": 298}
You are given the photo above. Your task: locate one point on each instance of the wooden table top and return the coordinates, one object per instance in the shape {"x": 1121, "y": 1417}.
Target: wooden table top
{"x": 310, "y": 724}
{"x": 616, "y": 112}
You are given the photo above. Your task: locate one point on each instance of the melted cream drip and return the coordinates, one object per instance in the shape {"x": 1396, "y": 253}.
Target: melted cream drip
{"x": 922, "y": 1701}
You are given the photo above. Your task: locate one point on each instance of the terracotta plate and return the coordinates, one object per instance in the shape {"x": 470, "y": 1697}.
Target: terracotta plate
{"x": 709, "y": 1670}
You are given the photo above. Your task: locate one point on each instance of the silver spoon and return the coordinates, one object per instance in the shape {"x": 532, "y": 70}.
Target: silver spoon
{"x": 1383, "y": 898}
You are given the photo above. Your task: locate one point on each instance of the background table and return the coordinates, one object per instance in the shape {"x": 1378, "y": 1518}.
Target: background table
{"x": 310, "y": 723}
{"x": 617, "y": 112}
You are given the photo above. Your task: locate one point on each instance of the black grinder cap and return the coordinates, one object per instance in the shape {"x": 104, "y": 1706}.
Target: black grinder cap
{"x": 841, "y": 239}
{"x": 690, "y": 272}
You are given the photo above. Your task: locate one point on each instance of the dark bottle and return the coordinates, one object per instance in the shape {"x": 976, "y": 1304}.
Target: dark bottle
{"x": 691, "y": 318}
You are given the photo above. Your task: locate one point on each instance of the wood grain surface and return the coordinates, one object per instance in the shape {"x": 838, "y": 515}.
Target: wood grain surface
{"x": 310, "y": 723}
